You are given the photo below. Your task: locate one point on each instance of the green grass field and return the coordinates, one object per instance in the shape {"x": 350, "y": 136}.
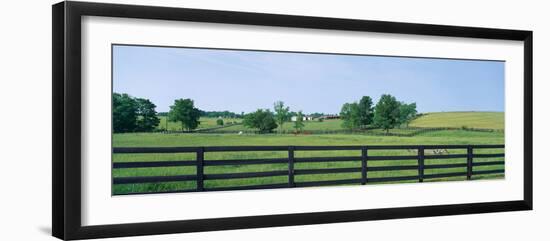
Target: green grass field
{"x": 481, "y": 120}
{"x": 197, "y": 139}
{"x": 205, "y": 122}
{"x": 288, "y": 126}
{"x": 328, "y": 125}
{"x": 477, "y": 120}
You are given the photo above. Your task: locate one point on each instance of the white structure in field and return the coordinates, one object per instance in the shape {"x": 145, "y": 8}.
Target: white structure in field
{"x": 304, "y": 118}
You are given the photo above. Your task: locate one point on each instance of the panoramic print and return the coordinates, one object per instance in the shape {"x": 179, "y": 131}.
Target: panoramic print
{"x": 198, "y": 119}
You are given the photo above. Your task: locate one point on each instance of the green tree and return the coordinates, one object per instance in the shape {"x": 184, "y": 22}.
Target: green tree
{"x": 386, "y": 113}
{"x": 407, "y": 112}
{"x": 366, "y": 111}
{"x": 350, "y": 116}
{"x": 147, "y": 119}
{"x": 124, "y": 113}
{"x": 263, "y": 120}
{"x": 299, "y": 123}
{"x": 184, "y": 110}
{"x": 281, "y": 113}
{"x": 219, "y": 122}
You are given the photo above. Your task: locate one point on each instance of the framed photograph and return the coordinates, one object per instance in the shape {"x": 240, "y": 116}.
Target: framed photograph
{"x": 172, "y": 120}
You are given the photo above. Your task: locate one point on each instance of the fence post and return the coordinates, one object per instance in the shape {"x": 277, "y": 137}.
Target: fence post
{"x": 364, "y": 155}
{"x": 291, "y": 167}
{"x": 470, "y": 160}
{"x": 421, "y": 163}
{"x": 200, "y": 169}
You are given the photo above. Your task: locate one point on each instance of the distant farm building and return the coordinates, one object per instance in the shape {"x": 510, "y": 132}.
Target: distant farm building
{"x": 304, "y": 118}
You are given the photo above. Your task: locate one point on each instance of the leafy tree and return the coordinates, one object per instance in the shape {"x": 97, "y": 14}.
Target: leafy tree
{"x": 263, "y": 120}
{"x": 124, "y": 113}
{"x": 281, "y": 113}
{"x": 407, "y": 112}
{"x": 386, "y": 113}
{"x": 316, "y": 114}
{"x": 219, "y": 122}
{"x": 184, "y": 110}
{"x": 350, "y": 114}
{"x": 299, "y": 123}
{"x": 133, "y": 114}
{"x": 217, "y": 114}
{"x": 366, "y": 111}
{"x": 292, "y": 113}
{"x": 147, "y": 119}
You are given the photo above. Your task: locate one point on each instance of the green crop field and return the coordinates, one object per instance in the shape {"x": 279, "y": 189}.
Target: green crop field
{"x": 481, "y": 120}
{"x": 198, "y": 139}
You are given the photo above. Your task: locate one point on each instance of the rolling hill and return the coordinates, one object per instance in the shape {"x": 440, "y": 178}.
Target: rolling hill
{"x": 482, "y": 120}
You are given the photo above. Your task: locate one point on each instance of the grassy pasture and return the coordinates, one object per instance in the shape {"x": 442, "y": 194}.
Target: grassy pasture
{"x": 482, "y": 120}
{"x": 197, "y": 139}
{"x": 205, "y": 122}
{"x": 328, "y": 125}
{"x": 288, "y": 126}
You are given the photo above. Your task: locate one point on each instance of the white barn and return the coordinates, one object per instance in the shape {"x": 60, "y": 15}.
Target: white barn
{"x": 304, "y": 118}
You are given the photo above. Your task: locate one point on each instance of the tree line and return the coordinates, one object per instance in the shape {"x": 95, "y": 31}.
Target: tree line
{"x": 387, "y": 114}
{"x": 214, "y": 114}
{"x": 132, "y": 114}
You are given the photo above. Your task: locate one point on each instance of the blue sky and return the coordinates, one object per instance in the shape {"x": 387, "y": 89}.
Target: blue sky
{"x": 247, "y": 80}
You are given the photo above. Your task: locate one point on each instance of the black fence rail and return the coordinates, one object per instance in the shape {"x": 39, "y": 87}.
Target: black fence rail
{"x": 365, "y": 159}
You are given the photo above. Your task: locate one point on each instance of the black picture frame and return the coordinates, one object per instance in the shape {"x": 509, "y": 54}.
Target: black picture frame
{"x": 66, "y": 158}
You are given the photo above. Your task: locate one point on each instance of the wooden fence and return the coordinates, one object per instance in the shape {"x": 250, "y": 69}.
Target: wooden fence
{"x": 365, "y": 169}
